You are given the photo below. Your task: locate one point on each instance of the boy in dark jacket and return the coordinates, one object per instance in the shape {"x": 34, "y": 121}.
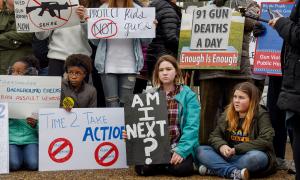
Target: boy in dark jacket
{"x": 76, "y": 93}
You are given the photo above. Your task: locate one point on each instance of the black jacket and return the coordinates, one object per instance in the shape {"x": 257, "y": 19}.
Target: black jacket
{"x": 289, "y": 30}
{"x": 168, "y": 16}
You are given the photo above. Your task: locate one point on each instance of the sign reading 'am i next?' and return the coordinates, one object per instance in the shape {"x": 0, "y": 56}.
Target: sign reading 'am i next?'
{"x": 211, "y": 28}
{"x": 146, "y": 119}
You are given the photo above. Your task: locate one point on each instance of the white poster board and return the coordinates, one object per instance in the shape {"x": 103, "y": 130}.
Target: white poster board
{"x": 4, "y": 143}
{"x": 117, "y": 23}
{"x": 43, "y": 15}
{"x": 26, "y": 94}
{"x": 211, "y": 27}
{"x": 86, "y": 138}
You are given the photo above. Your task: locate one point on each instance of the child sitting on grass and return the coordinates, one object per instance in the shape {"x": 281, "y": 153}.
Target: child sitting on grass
{"x": 23, "y": 133}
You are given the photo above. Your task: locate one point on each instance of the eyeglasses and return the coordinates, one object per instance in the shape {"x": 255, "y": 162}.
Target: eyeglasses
{"x": 12, "y": 71}
{"x": 76, "y": 74}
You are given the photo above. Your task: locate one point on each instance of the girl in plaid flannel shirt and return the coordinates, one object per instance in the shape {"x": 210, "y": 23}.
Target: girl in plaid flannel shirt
{"x": 183, "y": 116}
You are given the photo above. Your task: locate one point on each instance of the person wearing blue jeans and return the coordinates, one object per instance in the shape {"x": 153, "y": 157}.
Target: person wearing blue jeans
{"x": 253, "y": 161}
{"x": 241, "y": 145}
{"x": 116, "y": 87}
{"x": 23, "y": 133}
{"x": 25, "y": 155}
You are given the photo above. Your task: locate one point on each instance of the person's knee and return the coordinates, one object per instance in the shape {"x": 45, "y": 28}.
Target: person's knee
{"x": 15, "y": 164}
{"x": 256, "y": 160}
{"x": 31, "y": 164}
{"x": 202, "y": 151}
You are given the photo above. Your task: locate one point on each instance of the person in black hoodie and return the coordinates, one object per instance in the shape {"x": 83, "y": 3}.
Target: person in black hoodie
{"x": 289, "y": 97}
{"x": 168, "y": 15}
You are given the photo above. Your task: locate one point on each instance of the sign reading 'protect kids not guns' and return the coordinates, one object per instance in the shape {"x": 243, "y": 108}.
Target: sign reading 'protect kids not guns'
{"x": 116, "y": 23}
{"x": 43, "y": 15}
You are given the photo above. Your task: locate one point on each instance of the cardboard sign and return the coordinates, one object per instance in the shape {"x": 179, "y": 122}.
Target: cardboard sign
{"x": 268, "y": 46}
{"x": 4, "y": 143}
{"x": 146, "y": 119}
{"x": 116, "y": 23}
{"x": 26, "y": 94}
{"x": 211, "y": 26}
{"x": 210, "y": 38}
{"x": 85, "y": 138}
{"x": 43, "y": 15}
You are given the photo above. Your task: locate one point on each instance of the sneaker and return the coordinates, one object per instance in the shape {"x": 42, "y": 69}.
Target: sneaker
{"x": 240, "y": 174}
{"x": 203, "y": 170}
{"x": 292, "y": 168}
{"x": 283, "y": 164}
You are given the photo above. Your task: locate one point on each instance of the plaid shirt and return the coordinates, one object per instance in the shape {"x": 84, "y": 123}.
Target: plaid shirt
{"x": 174, "y": 127}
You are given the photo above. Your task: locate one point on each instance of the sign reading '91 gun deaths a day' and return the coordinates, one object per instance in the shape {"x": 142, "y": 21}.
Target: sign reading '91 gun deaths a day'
{"x": 43, "y": 15}
{"x": 211, "y": 38}
{"x": 116, "y": 23}
{"x": 25, "y": 95}
{"x": 146, "y": 122}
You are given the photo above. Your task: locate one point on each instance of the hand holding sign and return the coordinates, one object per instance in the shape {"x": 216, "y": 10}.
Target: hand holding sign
{"x": 31, "y": 121}
{"x": 81, "y": 12}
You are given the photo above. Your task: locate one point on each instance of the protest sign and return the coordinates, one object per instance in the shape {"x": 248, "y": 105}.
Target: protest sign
{"x": 26, "y": 94}
{"x": 211, "y": 38}
{"x": 116, "y": 23}
{"x": 268, "y": 46}
{"x": 85, "y": 138}
{"x": 211, "y": 27}
{"x": 43, "y": 15}
{"x": 4, "y": 143}
{"x": 146, "y": 122}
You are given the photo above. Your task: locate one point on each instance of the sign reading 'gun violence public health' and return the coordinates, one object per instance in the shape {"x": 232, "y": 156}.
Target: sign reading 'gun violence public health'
{"x": 121, "y": 23}
{"x": 26, "y": 94}
{"x": 147, "y": 129}
{"x": 4, "y": 146}
{"x": 268, "y": 47}
{"x": 43, "y": 15}
{"x": 85, "y": 138}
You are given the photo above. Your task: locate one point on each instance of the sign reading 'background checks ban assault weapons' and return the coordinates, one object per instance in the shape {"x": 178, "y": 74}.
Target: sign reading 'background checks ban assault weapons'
{"x": 43, "y": 15}
{"x": 116, "y": 23}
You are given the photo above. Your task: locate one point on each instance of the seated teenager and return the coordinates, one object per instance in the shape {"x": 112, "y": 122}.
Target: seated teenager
{"x": 76, "y": 93}
{"x": 23, "y": 133}
{"x": 242, "y": 141}
{"x": 183, "y": 117}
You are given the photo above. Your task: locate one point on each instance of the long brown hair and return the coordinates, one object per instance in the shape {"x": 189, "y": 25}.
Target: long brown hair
{"x": 155, "y": 77}
{"x": 233, "y": 117}
{"x": 126, "y": 3}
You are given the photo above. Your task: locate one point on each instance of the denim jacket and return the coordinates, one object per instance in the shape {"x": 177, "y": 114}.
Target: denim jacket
{"x": 189, "y": 117}
{"x": 101, "y": 51}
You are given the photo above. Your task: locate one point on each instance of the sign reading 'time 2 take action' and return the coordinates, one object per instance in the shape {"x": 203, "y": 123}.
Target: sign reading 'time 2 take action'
{"x": 85, "y": 138}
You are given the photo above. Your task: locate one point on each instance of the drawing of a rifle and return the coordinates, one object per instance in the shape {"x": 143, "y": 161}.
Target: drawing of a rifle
{"x": 51, "y": 7}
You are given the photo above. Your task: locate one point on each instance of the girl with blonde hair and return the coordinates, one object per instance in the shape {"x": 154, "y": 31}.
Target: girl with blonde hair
{"x": 241, "y": 144}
